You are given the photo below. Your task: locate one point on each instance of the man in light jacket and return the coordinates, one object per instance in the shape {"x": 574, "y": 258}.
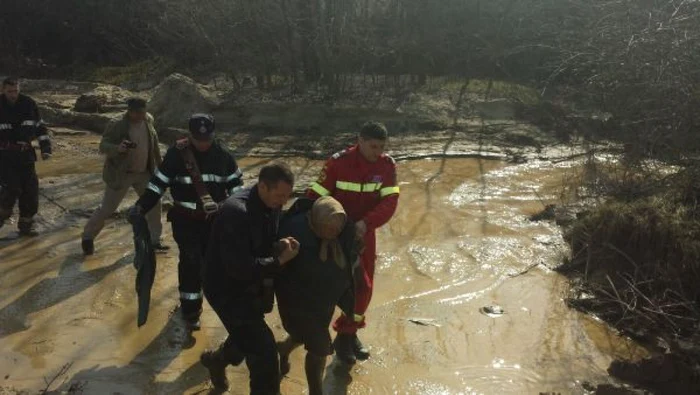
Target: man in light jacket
{"x": 132, "y": 156}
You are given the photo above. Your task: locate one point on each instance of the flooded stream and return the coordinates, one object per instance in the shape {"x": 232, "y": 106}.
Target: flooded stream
{"x": 461, "y": 240}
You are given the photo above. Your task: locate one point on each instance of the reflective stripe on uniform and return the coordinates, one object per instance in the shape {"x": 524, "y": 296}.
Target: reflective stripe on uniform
{"x": 155, "y": 188}
{"x": 389, "y": 191}
{"x": 162, "y": 177}
{"x": 189, "y": 205}
{"x": 29, "y": 123}
{"x": 356, "y": 318}
{"x": 190, "y": 295}
{"x": 5, "y": 126}
{"x": 266, "y": 261}
{"x": 320, "y": 189}
{"x": 43, "y": 138}
{"x": 206, "y": 178}
{"x": 235, "y": 189}
{"x": 236, "y": 175}
{"x": 356, "y": 187}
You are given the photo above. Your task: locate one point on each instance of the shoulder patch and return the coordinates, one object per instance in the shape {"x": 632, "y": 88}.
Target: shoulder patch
{"x": 182, "y": 143}
{"x": 339, "y": 154}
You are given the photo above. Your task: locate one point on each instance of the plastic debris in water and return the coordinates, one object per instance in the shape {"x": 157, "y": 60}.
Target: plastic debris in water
{"x": 424, "y": 322}
{"x": 492, "y": 311}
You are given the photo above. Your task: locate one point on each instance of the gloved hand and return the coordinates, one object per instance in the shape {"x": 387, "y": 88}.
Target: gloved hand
{"x": 134, "y": 214}
{"x": 45, "y": 156}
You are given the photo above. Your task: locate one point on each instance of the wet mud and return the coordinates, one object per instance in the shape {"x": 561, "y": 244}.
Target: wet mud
{"x": 461, "y": 240}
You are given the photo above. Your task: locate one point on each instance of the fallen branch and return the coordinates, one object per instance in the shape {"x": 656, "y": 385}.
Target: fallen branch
{"x": 534, "y": 265}
{"x": 60, "y": 373}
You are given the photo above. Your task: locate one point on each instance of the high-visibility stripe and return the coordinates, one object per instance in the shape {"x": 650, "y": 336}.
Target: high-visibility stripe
{"x": 43, "y": 138}
{"x": 162, "y": 177}
{"x": 29, "y": 123}
{"x": 320, "y": 189}
{"x": 189, "y": 205}
{"x": 357, "y": 317}
{"x": 238, "y": 174}
{"x": 190, "y": 295}
{"x": 206, "y": 178}
{"x": 266, "y": 261}
{"x": 235, "y": 189}
{"x": 155, "y": 188}
{"x": 357, "y": 187}
{"x": 5, "y": 126}
{"x": 389, "y": 191}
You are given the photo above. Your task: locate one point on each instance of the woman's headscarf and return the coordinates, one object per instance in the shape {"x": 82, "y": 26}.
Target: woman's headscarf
{"x": 327, "y": 220}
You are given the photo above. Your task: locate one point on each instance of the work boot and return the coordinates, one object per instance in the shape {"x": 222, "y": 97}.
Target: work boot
{"x": 344, "y": 350}
{"x": 88, "y": 246}
{"x": 26, "y": 227}
{"x": 314, "y": 367}
{"x": 215, "y": 362}
{"x": 361, "y": 352}
{"x": 192, "y": 319}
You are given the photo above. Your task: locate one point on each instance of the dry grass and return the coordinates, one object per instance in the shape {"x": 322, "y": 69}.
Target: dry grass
{"x": 641, "y": 260}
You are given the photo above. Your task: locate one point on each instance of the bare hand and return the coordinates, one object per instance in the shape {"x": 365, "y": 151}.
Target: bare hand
{"x": 124, "y": 146}
{"x": 290, "y": 249}
{"x": 360, "y": 229}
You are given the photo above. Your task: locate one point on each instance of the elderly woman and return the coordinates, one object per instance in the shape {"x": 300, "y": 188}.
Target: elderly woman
{"x": 315, "y": 282}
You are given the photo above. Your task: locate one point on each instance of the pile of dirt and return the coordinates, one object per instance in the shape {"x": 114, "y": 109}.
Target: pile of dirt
{"x": 176, "y": 98}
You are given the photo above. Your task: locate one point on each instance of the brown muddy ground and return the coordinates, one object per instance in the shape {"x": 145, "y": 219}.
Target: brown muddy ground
{"x": 460, "y": 240}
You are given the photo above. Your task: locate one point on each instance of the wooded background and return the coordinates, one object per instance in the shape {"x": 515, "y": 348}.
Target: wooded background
{"x": 638, "y": 60}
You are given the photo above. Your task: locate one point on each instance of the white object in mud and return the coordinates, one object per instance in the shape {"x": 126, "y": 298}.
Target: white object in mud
{"x": 492, "y": 311}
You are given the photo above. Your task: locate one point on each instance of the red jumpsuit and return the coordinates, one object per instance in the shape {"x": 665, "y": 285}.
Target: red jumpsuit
{"x": 368, "y": 192}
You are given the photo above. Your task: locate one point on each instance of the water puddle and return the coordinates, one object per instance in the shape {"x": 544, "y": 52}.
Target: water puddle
{"x": 460, "y": 241}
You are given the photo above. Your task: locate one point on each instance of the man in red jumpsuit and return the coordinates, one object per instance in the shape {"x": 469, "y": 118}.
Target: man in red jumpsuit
{"x": 363, "y": 179}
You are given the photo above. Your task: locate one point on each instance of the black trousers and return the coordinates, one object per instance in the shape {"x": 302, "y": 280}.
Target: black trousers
{"x": 254, "y": 339}
{"x": 191, "y": 237}
{"x": 19, "y": 183}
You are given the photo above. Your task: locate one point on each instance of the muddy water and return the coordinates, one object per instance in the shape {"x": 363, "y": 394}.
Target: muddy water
{"x": 460, "y": 240}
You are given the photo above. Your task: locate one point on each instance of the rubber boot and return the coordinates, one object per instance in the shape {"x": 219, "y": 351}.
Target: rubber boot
{"x": 216, "y": 363}
{"x": 361, "y": 352}
{"x": 284, "y": 348}
{"x": 343, "y": 346}
{"x": 25, "y": 225}
{"x": 314, "y": 366}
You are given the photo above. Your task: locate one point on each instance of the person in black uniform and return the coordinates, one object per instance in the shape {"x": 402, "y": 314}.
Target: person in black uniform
{"x": 244, "y": 255}
{"x": 20, "y": 123}
{"x": 200, "y": 173}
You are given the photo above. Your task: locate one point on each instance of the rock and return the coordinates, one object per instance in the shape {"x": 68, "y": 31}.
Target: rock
{"x": 178, "y": 97}
{"x": 492, "y": 311}
{"x": 90, "y": 103}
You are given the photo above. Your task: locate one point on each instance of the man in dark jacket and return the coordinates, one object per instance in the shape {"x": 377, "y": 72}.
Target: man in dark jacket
{"x": 243, "y": 256}
{"x": 20, "y": 123}
{"x": 315, "y": 282}
{"x": 200, "y": 173}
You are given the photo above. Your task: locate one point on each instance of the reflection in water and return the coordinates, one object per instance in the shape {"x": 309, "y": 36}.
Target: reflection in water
{"x": 461, "y": 240}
